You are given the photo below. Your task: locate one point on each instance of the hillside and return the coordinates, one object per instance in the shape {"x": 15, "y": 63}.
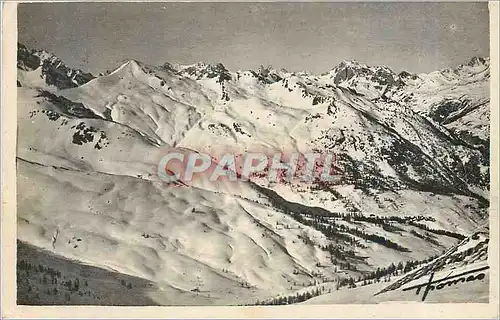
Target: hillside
{"x": 412, "y": 152}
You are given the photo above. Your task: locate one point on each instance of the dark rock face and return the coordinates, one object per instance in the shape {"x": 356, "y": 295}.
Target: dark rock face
{"x": 26, "y": 60}
{"x": 201, "y": 71}
{"x": 54, "y": 71}
{"x": 68, "y": 107}
{"x": 442, "y": 110}
{"x": 266, "y": 75}
{"x": 384, "y": 77}
{"x": 64, "y": 77}
{"x": 476, "y": 61}
{"x": 380, "y": 76}
{"x": 344, "y": 74}
{"x": 407, "y": 75}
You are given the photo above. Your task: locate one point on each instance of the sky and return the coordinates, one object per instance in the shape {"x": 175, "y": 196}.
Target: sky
{"x": 315, "y": 37}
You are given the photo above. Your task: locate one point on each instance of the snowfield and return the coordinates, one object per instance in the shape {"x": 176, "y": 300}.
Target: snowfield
{"x": 412, "y": 151}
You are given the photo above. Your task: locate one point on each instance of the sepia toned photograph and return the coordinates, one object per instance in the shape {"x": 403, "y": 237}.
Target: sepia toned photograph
{"x": 252, "y": 154}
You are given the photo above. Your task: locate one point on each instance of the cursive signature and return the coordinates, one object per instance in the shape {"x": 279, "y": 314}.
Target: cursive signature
{"x": 431, "y": 284}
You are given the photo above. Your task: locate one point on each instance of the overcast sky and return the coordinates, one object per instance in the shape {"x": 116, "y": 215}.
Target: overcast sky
{"x": 419, "y": 37}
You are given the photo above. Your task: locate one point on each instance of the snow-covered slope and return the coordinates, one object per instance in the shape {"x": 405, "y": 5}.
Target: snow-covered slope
{"x": 412, "y": 185}
{"x": 470, "y": 253}
{"x": 459, "y": 275}
{"x": 457, "y": 98}
{"x": 196, "y": 241}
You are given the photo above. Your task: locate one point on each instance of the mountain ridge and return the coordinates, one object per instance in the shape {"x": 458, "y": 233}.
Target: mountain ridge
{"x": 415, "y": 172}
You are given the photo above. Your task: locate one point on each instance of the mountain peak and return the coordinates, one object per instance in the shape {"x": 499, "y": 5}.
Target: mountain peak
{"x": 171, "y": 67}
{"x": 54, "y": 70}
{"x": 350, "y": 62}
{"x": 407, "y": 75}
{"x": 361, "y": 67}
{"x": 478, "y": 61}
{"x": 378, "y": 77}
{"x": 202, "y": 70}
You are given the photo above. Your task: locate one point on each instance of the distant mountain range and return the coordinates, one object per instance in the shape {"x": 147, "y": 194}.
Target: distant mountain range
{"x": 413, "y": 150}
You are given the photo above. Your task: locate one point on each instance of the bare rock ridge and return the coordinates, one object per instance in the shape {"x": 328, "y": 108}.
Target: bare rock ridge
{"x": 53, "y": 70}
{"x": 412, "y": 151}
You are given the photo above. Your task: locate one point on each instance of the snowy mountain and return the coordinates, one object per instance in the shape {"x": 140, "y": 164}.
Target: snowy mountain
{"x": 413, "y": 152}
{"x": 39, "y": 66}
{"x": 457, "y": 98}
{"x": 372, "y": 82}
